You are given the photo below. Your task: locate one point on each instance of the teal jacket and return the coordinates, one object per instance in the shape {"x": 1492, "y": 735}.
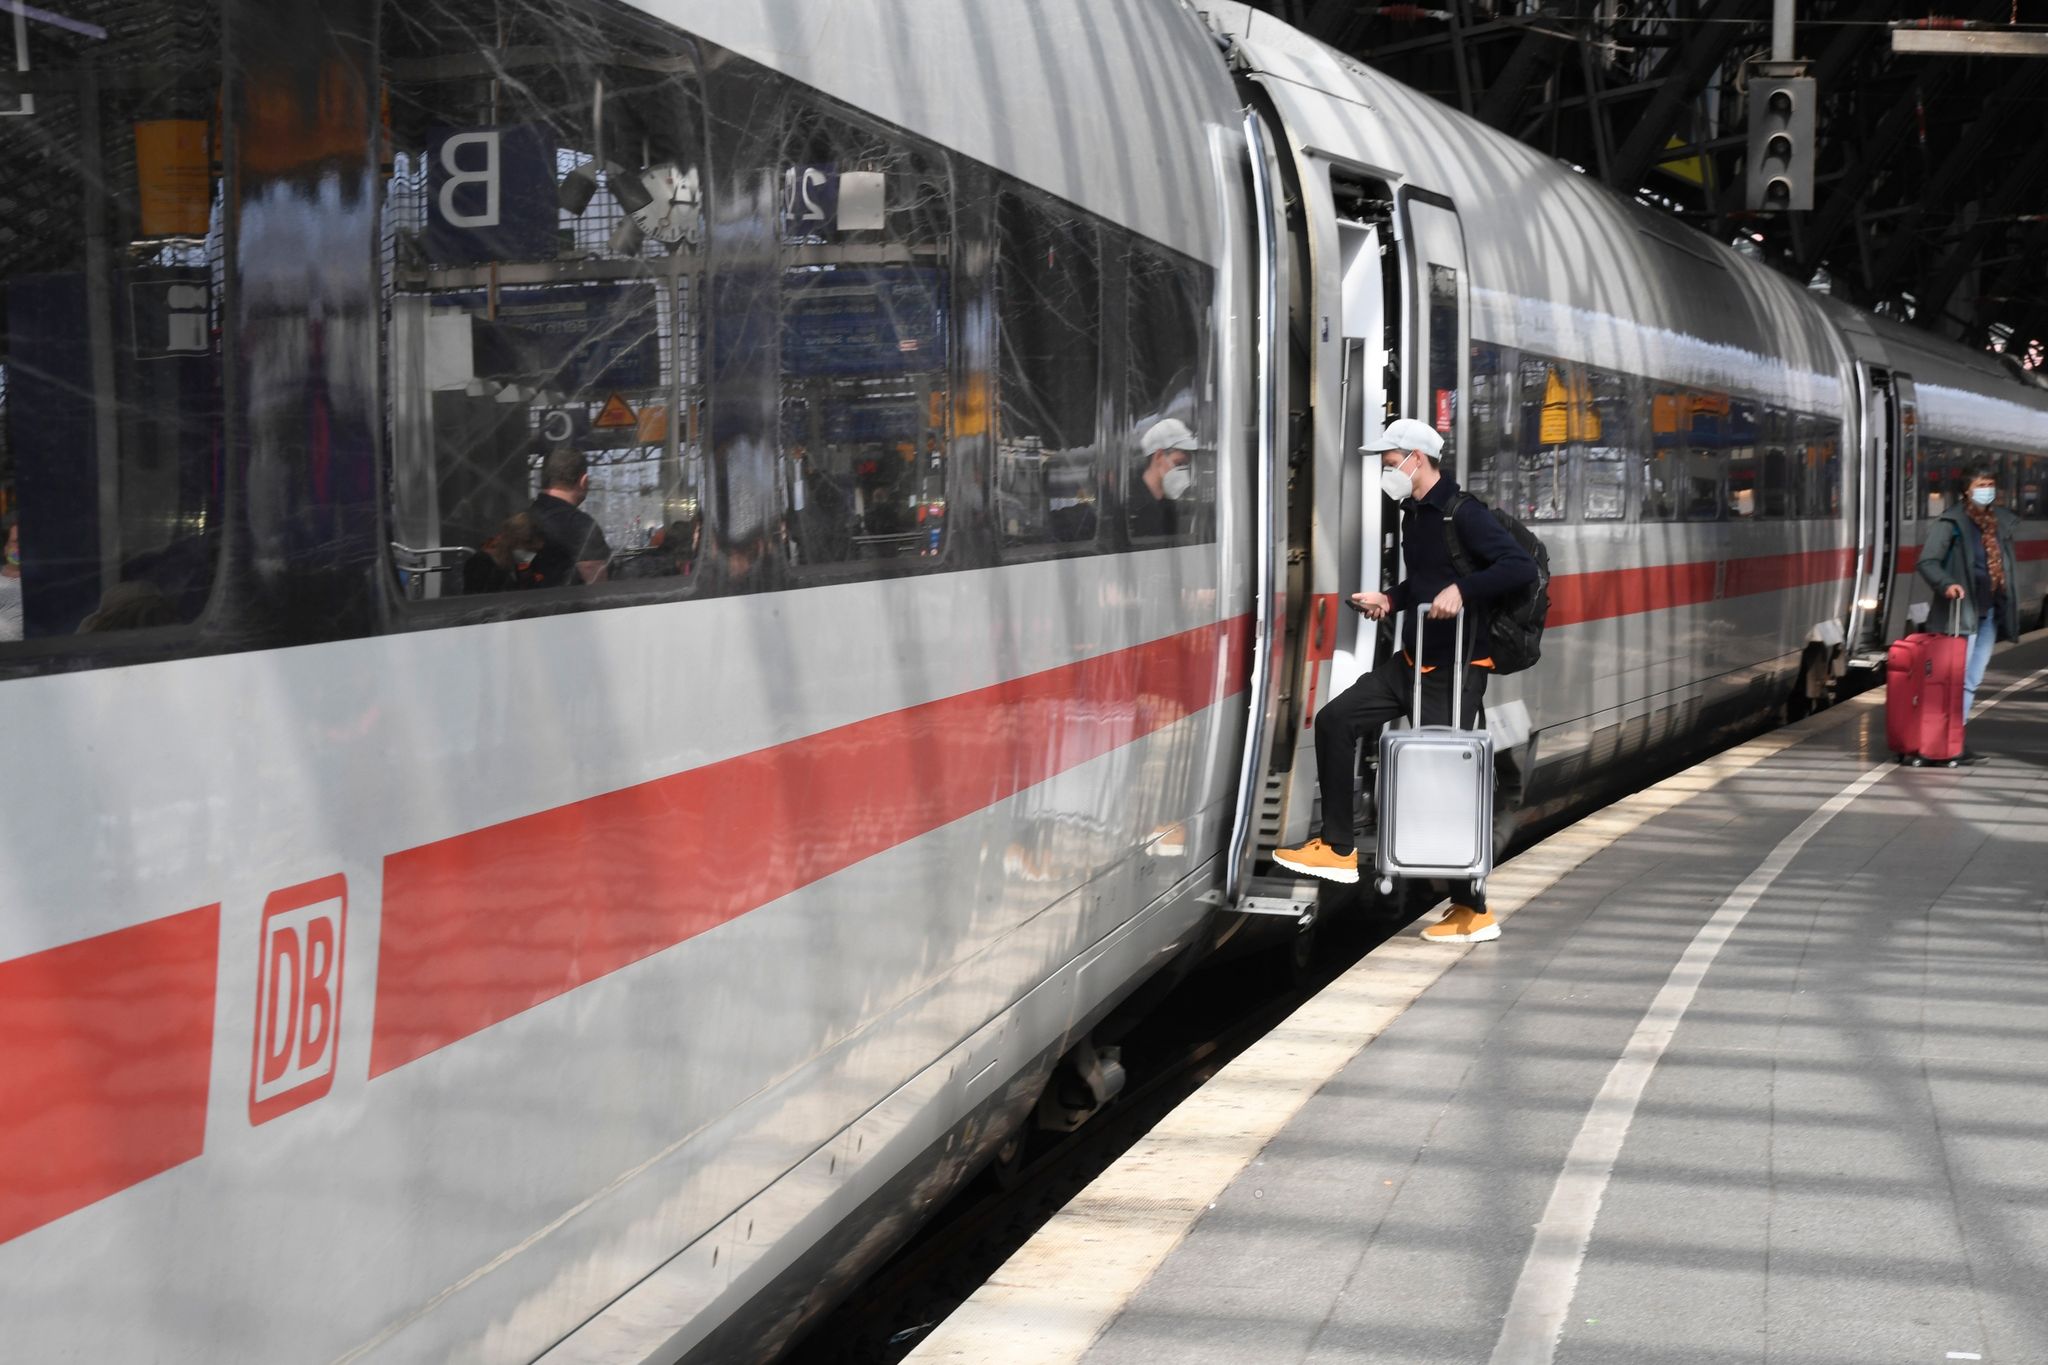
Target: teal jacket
{"x": 1945, "y": 559}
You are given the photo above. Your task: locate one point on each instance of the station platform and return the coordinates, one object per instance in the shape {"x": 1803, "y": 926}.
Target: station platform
{"x": 1758, "y": 1071}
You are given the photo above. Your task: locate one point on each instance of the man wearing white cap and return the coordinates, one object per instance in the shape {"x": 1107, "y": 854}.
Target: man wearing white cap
{"x": 1161, "y": 479}
{"x": 1409, "y": 451}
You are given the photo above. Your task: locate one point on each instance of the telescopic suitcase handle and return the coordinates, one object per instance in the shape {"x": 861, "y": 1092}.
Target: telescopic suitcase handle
{"x": 1457, "y": 676}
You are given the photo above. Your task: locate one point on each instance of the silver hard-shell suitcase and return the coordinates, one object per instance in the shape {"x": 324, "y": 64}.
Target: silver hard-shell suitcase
{"x": 1435, "y": 791}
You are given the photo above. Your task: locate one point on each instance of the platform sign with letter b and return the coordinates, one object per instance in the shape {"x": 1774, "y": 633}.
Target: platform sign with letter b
{"x": 490, "y": 195}
{"x": 298, "y": 996}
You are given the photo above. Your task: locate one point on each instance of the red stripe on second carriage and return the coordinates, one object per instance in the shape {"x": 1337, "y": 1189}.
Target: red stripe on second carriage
{"x": 484, "y": 925}
{"x": 1578, "y": 598}
{"x": 2027, "y": 551}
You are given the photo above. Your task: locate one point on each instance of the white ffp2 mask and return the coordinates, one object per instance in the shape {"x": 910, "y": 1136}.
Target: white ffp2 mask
{"x": 1177, "y": 482}
{"x": 1397, "y": 482}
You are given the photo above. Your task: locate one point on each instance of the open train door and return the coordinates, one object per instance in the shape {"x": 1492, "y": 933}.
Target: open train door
{"x": 1891, "y": 431}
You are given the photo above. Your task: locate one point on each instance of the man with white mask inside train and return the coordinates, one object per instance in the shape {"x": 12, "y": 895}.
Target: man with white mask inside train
{"x": 1160, "y": 480}
{"x": 1434, "y": 595}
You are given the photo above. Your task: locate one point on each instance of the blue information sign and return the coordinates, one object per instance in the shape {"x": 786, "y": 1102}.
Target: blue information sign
{"x": 870, "y": 321}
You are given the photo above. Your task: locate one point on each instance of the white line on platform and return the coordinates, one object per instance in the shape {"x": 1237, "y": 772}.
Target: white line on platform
{"x": 1049, "y": 1302}
{"x": 1550, "y": 1275}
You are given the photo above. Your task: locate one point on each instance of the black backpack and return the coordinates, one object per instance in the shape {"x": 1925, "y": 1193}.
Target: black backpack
{"x": 1517, "y": 620}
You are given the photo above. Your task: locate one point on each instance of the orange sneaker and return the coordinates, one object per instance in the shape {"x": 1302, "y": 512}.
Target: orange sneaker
{"x": 1463, "y": 925}
{"x": 1317, "y": 859}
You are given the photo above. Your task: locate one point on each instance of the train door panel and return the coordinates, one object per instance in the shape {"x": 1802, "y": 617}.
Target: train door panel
{"x": 1363, "y": 416}
{"x": 1895, "y": 596}
{"x": 1890, "y": 452}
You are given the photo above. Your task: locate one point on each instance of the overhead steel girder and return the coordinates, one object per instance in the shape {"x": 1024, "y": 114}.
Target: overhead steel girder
{"x": 1536, "y": 51}
{"x": 1853, "y": 33}
{"x": 2018, "y": 182}
{"x": 1684, "y": 74}
{"x": 1941, "y": 189}
{"x": 1826, "y": 223}
{"x": 1995, "y": 304}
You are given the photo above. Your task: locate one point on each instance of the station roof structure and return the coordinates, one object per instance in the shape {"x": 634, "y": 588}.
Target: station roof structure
{"x": 1931, "y": 180}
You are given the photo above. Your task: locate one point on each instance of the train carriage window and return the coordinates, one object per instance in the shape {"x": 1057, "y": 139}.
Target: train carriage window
{"x": 1489, "y": 429}
{"x": 1745, "y": 480}
{"x": 1542, "y": 466}
{"x": 1443, "y": 358}
{"x": 1049, "y": 343}
{"x": 1909, "y": 482}
{"x": 1663, "y": 477}
{"x": 1822, "y": 441}
{"x": 1604, "y": 432}
{"x": 1166, "y": 378}
{"x": 1941, "y": 476}
{"x": 866, "y": 230}
{"x": 1708, "y": 435}
{"x": 2031, "y": 494}
{"x": 111, "y": 270}
{"x": 545, "y": 229}
{"x": 1782, "y": 493}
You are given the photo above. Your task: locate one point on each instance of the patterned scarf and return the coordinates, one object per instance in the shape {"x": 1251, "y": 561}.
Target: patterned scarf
{"x": 1987, "y": 526}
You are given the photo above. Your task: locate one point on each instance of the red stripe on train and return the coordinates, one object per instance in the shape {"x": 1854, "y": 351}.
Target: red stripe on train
{"x": 1582, "y": 597}
{"x": 482, "y": 926}
{"x": 106, "y": 1050}
{"x": 2026, "y": 550}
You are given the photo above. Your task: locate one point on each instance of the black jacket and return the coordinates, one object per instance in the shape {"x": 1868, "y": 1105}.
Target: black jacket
{"x": 1503, "y": 567}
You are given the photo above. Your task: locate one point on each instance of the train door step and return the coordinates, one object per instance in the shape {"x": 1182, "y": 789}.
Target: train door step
{"x": 1302, "y": 912}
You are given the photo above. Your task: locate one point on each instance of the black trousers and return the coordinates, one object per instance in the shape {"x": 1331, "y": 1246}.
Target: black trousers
{"x": 1361, "y": 711}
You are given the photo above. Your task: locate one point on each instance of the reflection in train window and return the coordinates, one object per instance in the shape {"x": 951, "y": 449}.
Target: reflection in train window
{"x": 1166, "y": 305}
{"x": 1605, "y": 436}
{"x": 1704, "y": 424}
{"x": 866, "y": 230}
{"x": 1739, "y": 442}
{"x": 1664, "y": 476}
{"x": 1443, "y": 357}
{"x": 1782, "y": 494}
{"x": 1941, "y": 476}
{"x": 545, "y": 224}
{"x": 110, "y": 384}
{"x": 2031, "y": 491}
{"x": 1549, "y": 410}
{"x": 1491, "y": 409}
{"x": 1909, "y": 481}
{"x": 1820, "y": 449}
{"x": 1048, "y": 310}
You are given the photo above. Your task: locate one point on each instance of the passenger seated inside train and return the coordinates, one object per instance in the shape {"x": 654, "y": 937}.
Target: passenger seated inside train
{"x": 1160, "y": 477}
{"x": 504, "y": 562}
{"x": 574, "y": 549}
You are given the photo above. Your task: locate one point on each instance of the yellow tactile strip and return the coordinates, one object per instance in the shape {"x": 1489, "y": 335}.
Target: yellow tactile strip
{"x": 1052, "y": 1299}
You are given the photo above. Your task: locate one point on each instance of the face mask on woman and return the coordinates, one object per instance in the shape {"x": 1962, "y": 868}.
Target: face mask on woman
{"x": 1983, "y": 497}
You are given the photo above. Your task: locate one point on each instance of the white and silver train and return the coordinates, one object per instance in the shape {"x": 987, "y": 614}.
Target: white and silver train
{"x": 410, "y": 951}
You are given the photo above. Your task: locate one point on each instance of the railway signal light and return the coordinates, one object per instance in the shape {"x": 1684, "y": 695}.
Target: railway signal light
{"x": 1781, "y": 121}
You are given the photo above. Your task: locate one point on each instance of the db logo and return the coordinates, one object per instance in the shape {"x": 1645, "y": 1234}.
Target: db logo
{"x": 298, "y": 997}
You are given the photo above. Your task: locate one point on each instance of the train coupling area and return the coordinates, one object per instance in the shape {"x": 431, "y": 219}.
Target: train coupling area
{"x": 1755, "y": 1073}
